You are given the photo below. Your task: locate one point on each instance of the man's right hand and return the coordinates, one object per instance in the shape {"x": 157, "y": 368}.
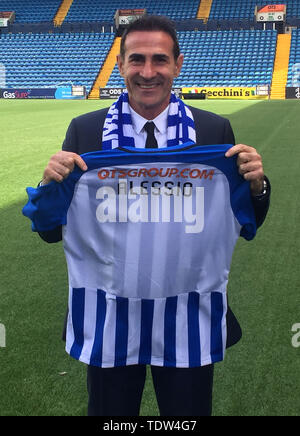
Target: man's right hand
{"x": 61, "y": 165}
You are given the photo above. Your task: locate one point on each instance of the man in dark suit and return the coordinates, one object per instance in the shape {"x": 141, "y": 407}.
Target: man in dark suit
{"x": 149, "y": 61}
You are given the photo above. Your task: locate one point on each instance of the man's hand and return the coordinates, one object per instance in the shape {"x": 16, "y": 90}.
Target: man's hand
{"x": 61, "y": 165}
{"x": 250, "y": 166}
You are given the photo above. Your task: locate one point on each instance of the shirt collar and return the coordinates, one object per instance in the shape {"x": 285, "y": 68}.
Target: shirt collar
{"x": 161, "y": 121}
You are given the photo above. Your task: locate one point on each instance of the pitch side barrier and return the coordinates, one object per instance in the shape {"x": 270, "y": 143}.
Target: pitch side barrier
{"x": 292, "y": 92}
{"x": 64, "y": 93}
{"x": 113, "y": 93}
{"x": 258, "y": 92}
{"x": 238, "y": 93}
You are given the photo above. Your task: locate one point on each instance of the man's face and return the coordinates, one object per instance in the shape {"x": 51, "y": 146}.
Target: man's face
{"x": 149, "y": 68}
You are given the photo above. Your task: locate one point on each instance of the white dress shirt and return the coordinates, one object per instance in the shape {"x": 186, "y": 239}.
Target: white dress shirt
{"x": 160, "y": 131}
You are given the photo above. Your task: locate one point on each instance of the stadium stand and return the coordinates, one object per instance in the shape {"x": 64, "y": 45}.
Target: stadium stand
{"x": 45, "y": 60}
{"x": 244, "y": 9}
{"x": 89, "y": 10}
{"x": 31, "y": 11}
{"x": 227, "y": 58}
{"x": 225, "y": 48}
{"x": 223, "y": 58}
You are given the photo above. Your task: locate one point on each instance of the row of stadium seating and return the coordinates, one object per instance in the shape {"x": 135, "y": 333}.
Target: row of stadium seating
{"x": 47, "y": 27}
{"x": 103, "y": 26}
{"x": 93, "y": 10}
{"x": 175, "y": 9}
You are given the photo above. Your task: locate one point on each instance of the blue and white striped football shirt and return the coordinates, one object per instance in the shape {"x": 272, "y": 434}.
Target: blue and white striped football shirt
{"x": 148, "y": 237}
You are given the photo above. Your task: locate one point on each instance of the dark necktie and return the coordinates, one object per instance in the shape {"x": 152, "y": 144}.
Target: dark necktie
{"x": 151, "y": 141}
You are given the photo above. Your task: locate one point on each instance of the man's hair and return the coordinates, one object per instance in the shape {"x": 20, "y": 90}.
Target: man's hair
{"x": 151, "y": 23}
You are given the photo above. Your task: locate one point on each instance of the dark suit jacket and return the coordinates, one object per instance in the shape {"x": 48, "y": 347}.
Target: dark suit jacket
{"x": 85, "y": 132}
{"x": 85, "y": 135}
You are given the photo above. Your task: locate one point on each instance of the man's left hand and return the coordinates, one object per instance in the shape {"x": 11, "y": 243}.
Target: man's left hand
{"x": 250, "y": 166}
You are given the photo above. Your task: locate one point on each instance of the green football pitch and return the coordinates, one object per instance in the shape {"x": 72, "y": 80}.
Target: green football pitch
{"x": 260, "y": 375}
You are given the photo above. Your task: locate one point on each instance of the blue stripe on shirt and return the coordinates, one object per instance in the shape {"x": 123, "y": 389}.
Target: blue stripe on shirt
{"x": 77, "y": 314}
{"x": 217, "y": 312}
{"x": 121, "y": 331}
{"x": 96, "y": 355}
{"x": 170, "y": 332}
{"x": 194, "y": 329}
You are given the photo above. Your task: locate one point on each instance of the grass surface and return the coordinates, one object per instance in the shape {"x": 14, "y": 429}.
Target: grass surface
{"x": 260, "y": 375}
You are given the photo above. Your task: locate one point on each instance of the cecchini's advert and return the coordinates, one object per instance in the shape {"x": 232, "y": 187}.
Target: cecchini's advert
{"x": 224, "y": 93}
